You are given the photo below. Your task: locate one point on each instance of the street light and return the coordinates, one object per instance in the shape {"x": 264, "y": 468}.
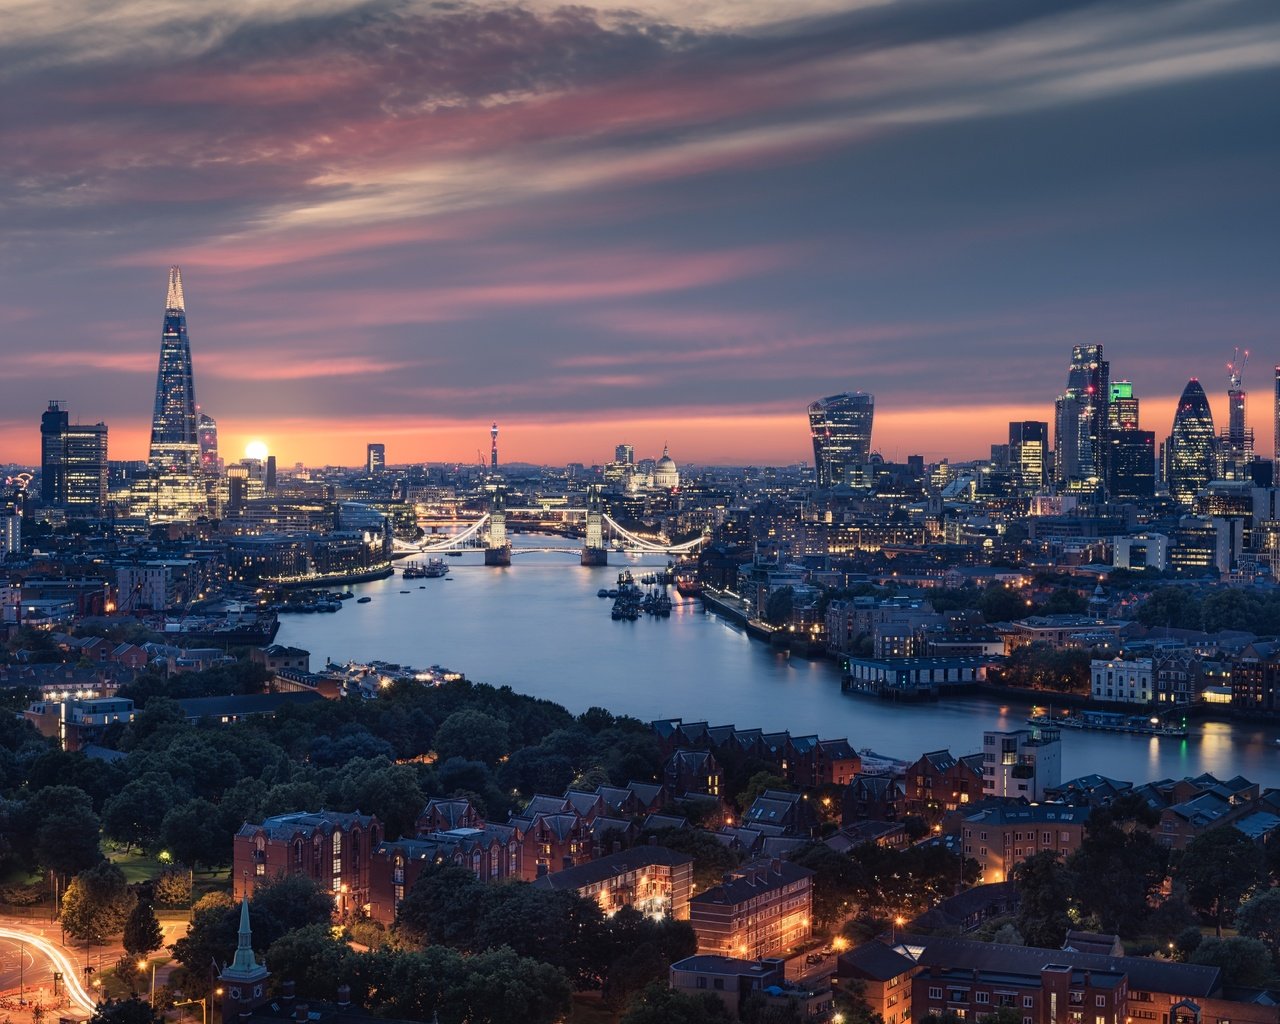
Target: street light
{"x": 142, "y": 966}
{"x": 204, "y": 1007}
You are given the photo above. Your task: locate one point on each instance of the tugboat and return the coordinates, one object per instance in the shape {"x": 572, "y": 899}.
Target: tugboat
{"x": 433, "y": 569}
{"x": 363, "y": 600}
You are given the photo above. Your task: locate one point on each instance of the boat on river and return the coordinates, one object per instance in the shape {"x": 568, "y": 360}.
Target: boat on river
{"x": 1111, "y": 721}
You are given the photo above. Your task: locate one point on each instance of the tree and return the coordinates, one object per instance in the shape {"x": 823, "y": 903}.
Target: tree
{"x": 659, "y": 1004}
{"x": 1045, "y": 893}
{"x": 756, "y": 787}
{"x": 133, "y": 1010}
{"x": 834, "y": 882}
{"x": 64, "y": 828}
{"x": 1243, "y": 961}
{"x": 192, "y": 832}
{"x": 559, "y": 928}
{"x": 1001, "y": 604}
{"x": 441, "y": 908}
{"x": 712, "y": 860}
{"x": 1008, "y": 935}
{"x": 136, "y": 813}
{"x": 779, "y": 605}
{"x": 1259, "y": 918}
{"x": 473, "y": 735}
{"x": 1218, "y": 868}
{"x": 172, "y": 887}
{"x": 97, "y": 903}
{"x": 1119, "y": 866}
{"x": 313, "y": 959}
{"x": 142, "y": 934}
{"x": 211, "y": 936}
{"x": 285, "y": 904}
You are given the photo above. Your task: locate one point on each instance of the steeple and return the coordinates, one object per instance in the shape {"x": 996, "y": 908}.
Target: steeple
{"x": 244, "y": 966}
{"x": 175, "y": 299}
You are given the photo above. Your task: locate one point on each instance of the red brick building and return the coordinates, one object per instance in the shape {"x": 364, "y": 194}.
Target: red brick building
{"x": 762, "y": 909}
{"x": 333, "y": 849}
{"x": 940, "y": 782}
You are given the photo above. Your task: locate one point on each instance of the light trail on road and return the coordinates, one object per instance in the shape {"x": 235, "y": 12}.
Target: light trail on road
{"x": 61, "y": 962}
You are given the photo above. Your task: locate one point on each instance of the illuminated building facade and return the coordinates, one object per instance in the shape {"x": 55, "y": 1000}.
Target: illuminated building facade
{"x": 841, "y": 430}
{"x": 1081, "y": 417}
{"x": 761, "y": 909}
{"x": 85, "y": 466}
{"x": 1028, "y": 454}
{"x": 375, "y": 458}
{"x": 1189, "y": 453}
{"x": 207, "y": 438}
{"x": 176, "y": 490}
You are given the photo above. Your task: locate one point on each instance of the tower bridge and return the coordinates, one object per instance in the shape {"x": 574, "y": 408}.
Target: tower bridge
{"x": 603, "y": 533}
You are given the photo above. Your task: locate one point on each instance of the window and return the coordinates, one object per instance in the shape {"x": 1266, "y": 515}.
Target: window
{"x": 259, "y": 869}
{"x": 1028, "y": 1002}
{"x": 702, "y": 983}
{"x": 935, "y": 993}
{"x": 982, "y": 997}
{"x": 1100, "y": 1001}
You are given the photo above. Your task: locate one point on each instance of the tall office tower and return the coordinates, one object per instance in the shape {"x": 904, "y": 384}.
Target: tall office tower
{"x": 207, "y": 438}
{"x": 85, "y": 465}
{"x": 53, "y": 425}
{"x": 176, "y": 490}
{"x": 1131, "y": 464}
{"x": 625, "y": 454}
{"x": 375, "y": 458}
{"x": 269, "y": 479}
{"x": 493, "y": 447}
{"x": 1190, "y": 450}
{"x": 1275, "y": 451}
{"x": 841, "y": 429}
{"x": 1081, "y": 416}
{"x": 1028, "y": 453}
{"x": 1122, "y": 410}
{"x": 1235, "y": 447}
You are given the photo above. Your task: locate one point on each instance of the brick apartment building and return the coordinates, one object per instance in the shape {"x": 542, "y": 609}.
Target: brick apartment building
{"x": 333, "y": 849}
{"x": 762, "y": 909}
{"x": 1045, "y": 986}
{"x": 1002, "y": 836}
{"x": 652, "y": 879}
{"x": 940, "y": 782}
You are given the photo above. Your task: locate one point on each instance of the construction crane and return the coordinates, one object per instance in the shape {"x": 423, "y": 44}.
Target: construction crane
{"x": 1235, "y": 368}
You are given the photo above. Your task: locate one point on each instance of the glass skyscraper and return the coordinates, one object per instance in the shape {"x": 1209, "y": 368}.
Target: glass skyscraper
{"x": 1189, "y": 453}
{"x": 175, "y": 448}
{"x": 1080, "y": 427}
{"x": 841, "y": 429}
{"x": 53, "y": 426}
{"x": 207, "y": 437}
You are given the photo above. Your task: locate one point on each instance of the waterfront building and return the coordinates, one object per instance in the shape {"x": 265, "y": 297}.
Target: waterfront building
{"x": 940, "y": 782}
{"x": 1189, "y": 452}
{"x": 761, "y": 909}
{"x": 1021, "y": 763}
{"x": 1121, "y": 681}
{"x": 840, "y": 426}
{"x": 1081, "y": 416}
{"x": 375, "y": 458}
{"x": 176, "y": 490}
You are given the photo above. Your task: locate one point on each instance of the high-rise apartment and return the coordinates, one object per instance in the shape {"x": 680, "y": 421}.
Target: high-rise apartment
{"x": 1081, "y": 416}
{"x": 375, "y": 458}
{"x": 841, "y": 429}
{"x": 73, "y": 461}
{"x": 1190, "y": 450}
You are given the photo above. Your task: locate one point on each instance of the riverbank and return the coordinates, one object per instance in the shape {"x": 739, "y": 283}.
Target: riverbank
{"x": 380, "y": 572}
{"x": 735, "y": 610}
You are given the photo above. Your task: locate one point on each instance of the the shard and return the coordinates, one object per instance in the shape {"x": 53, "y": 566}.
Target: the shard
{"x": 175, "y": 447}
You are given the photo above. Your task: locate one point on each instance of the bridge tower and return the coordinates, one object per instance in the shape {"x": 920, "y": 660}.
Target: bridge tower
{"x": 593, "y": 550}
{"x": 497, "y": 549}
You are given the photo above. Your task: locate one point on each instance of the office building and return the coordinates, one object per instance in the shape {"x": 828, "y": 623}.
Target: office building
{"x": 53, "y": 425}
{"x": 841, "y": 429}
{"x": 85, "y": 466}
{"x": 1081, "y": 417}
{"x": 1122, "y": 410}
{"x": 625, "y": 454}
{"x": 176, "y": 490}
{"x": 1189, "y": 452}
{"x": 375, "y": 458}
{"x": 207, "y": 437}
{"x": 1022, "y": 763}
{"x": 1028, "y": 454}
{"x": 1131, "y": 464}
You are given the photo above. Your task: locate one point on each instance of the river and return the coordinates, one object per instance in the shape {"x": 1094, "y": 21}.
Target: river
{"x": 539, "y": 627}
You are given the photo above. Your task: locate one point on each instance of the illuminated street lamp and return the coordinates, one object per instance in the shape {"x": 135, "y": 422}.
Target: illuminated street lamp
{"x": 142, "y": 966}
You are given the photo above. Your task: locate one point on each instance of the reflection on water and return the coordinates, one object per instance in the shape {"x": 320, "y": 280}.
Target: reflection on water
{"x": 539, "y": 627}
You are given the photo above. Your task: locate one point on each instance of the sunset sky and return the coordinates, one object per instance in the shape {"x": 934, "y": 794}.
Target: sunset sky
{"x": 659, "y": 221}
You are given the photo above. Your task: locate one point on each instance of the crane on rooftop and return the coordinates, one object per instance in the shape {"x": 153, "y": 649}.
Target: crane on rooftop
{"x": 1235, "y": 368}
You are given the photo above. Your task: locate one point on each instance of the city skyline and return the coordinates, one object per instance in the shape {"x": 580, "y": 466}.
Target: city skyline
{"x": 675, "y": 226}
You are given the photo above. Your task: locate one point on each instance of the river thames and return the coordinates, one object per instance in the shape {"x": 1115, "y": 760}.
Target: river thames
{"x": 539, "y": 628}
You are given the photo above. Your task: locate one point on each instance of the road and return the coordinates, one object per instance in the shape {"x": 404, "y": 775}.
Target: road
{"x": 40, "y": 958}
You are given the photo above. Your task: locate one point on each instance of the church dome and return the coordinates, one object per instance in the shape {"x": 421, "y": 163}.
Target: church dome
{"x": 665, "y": 473}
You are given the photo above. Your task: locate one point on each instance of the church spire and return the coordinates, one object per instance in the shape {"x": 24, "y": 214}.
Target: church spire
{"x": 245, "y": 964}
{"x": 175, "y": 299}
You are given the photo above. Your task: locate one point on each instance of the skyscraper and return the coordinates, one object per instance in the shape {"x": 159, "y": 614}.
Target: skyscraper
{"x": 176, "y": 490}
{"x": 1122, "y": 409}
{"x": 841, "y": 429}
{"x": 1189, "y": 452}
{"x": 1081, "y": 416}
{"x": 207, "y": 437}
{"x": 375, "y": 458}
{"x": 493, "y": 447}
{"x": 85, "y": 464}
{"x": 625, "y": 454}
{"x": 1275, "y": 451}
{"x": 53, "y": 425}
{"x": 1028, "y": 449}
{"x": 1235, "y": 447}
{"x": 174, "y": 445}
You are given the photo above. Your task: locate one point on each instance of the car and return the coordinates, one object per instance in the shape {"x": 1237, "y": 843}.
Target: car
{"x": 814, "y": 958}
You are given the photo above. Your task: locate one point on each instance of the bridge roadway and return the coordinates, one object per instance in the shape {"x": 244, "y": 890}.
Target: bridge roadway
{"x": 633, "y": 542}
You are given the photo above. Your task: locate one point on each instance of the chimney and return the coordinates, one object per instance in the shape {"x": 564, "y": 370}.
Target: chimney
{"x": 288, "y": 990}
{"x": 344, "y": 995}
